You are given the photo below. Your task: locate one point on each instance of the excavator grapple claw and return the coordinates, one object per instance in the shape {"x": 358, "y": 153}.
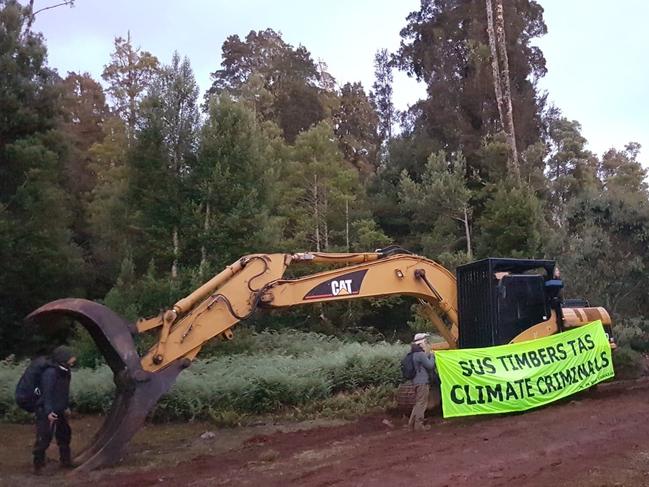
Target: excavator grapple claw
{"x": 136, "y": 390}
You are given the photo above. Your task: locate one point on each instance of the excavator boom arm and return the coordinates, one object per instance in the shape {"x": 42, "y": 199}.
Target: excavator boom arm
{"x": 258, "y": 283}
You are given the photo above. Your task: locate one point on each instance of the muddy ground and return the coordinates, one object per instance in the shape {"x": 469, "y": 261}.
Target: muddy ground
{"x": 597, "y": 439}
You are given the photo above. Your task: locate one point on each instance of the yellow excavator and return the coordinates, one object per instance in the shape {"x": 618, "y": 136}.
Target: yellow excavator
{"x": 491, "y": 302}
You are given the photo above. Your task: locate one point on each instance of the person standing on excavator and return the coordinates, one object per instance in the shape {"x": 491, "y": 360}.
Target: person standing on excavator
{"x": 424, "y": 364}
{"x": 53, "y": 408}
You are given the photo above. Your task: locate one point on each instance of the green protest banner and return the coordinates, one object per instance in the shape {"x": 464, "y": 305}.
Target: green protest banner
{"x": 524, "y": 375}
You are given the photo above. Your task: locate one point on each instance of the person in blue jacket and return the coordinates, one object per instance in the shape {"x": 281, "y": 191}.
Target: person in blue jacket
{"x": 52, "y": 409}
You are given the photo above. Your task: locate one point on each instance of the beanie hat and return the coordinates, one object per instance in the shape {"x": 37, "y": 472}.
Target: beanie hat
{"x": 62, "y": 354}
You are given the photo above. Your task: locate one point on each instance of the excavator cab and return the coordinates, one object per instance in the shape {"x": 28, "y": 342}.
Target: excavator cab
{"x": 500, "y": 298}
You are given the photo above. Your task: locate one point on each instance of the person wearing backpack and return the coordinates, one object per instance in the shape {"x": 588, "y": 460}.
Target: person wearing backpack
{"x": 421, "y": 370}
{"x": 52, "y": 407}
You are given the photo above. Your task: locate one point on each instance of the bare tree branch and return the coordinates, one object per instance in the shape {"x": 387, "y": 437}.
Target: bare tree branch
{"x": 65, "y": 2}
{"x": 33, "y": 13}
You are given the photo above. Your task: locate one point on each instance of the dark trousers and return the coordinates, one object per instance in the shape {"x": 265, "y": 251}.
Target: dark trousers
{"x": 60, "y": 429}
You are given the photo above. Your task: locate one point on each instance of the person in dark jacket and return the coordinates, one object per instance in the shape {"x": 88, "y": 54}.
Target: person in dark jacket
{"x": 425, "y": 368}
{"x": 52, "y": 409}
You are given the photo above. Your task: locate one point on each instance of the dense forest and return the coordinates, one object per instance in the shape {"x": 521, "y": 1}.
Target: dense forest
{"x": 134, "y": 188}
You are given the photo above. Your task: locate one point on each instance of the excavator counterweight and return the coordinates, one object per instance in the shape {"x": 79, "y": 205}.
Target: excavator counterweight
{"x": 497, "y": 301}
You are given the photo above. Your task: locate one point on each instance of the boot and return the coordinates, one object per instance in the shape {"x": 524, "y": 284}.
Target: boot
{"x": 65, "y": 457}
{"x": 38, "y": 467}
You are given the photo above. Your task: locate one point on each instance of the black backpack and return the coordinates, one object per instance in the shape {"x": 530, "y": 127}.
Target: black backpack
{"x": 28, "y": 388}
{"x": 408, "y": 370}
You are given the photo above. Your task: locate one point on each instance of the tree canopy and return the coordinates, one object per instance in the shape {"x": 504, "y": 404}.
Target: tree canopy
{"x": 128, "y": 190}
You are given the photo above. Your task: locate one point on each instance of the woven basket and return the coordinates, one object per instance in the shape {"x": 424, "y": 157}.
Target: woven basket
{"x": 406, "y": 395}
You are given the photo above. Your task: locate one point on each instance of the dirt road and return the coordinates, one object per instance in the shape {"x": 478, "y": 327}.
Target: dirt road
{"x": 599, "y": 439}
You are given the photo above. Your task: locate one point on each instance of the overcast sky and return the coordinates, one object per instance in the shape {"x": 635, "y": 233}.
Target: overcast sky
{"x": 596, "y": 50}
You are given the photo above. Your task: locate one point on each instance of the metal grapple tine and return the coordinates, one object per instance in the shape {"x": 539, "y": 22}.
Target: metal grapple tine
{"x": 132, "y": 411}
{"x": 137, "y": 391}
{"x": 112, "y": 333}
{"x": 117, "y": 410}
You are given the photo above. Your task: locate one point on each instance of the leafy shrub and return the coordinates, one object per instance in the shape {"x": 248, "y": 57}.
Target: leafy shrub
{"x": 633, "y": 333}
{"x": 88, "y": 355}
{"x": 632, "y": 337}
{"x": 286, "y": 342}
{"x": 91, "y": 390}
{"x": 10, "y": 372}
{"x": 270, "y": 381}
{"x": 277, "y": 371}
{"x": 628, "y": 363}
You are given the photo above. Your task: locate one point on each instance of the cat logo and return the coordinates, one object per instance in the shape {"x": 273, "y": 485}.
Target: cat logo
{"x": 345, "y": 285}
{"x": 341, "y": 287}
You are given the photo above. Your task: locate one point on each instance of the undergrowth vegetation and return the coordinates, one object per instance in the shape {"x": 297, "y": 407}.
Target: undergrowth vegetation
{"x": 632, "y": 338}
{"x": 288, "y": 372}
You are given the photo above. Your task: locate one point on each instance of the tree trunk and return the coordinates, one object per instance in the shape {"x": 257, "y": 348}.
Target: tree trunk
{"x": 467, "y": 231}
{"x": 347, "y": 223}
{"x": 176, "y": 248}
{"x": 506, "y": 88}
{"x": 325, "y": 225}
{"x": 32, "y": 16}
{"x": 494, "y": 62}
{"x": 316, "y": 213}
{"x": 206, "y": 228}
{"x": 132, "y": 94}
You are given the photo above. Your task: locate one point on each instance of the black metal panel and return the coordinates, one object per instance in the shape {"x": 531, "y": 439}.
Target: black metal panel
{"x": 522, "y": 303}
{"x": 518, "y": 266}
{"x": 492, "y": 311}
{"x": 476, "y": 299}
